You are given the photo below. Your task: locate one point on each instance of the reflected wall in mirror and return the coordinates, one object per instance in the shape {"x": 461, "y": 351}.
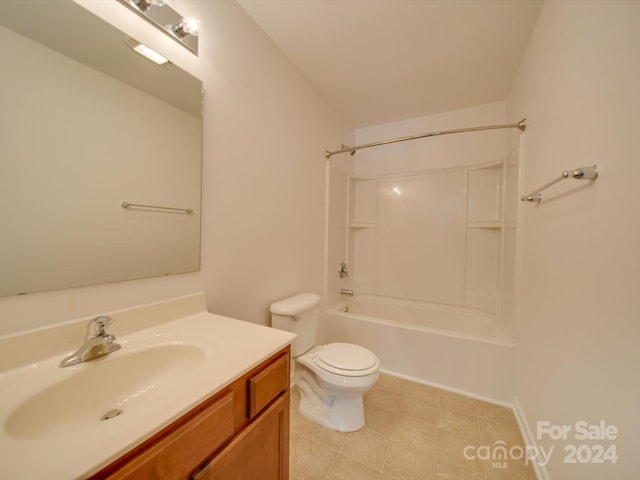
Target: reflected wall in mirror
{"x": 87, "y": 124}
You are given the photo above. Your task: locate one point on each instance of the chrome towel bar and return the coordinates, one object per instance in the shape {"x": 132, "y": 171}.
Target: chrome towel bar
{"x": 188, "y": 211}
{"x": 583, "y": 173}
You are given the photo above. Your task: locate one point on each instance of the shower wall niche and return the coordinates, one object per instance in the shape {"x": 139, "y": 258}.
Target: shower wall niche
{"x": 434, "y": 236}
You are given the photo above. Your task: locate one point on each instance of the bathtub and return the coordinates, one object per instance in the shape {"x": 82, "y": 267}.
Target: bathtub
{"x": 453, "y": 348}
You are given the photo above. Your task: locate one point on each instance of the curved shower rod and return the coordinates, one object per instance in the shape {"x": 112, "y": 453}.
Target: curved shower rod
{"x": 521, "y": 125}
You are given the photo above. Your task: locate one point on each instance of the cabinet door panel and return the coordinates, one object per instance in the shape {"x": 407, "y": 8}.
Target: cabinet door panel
{"x": 268, "y": 384}
{"x": 260, "y": 451}
{"x": 180, "y": 453}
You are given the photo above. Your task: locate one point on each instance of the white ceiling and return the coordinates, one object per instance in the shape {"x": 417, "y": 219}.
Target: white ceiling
{"x": 378, "y": 61}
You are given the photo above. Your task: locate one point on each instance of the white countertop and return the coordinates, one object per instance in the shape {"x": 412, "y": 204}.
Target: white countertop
{"x": 231, "y": 348}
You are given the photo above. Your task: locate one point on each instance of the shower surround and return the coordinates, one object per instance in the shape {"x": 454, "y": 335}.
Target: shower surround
{"x": 430, "y": 229}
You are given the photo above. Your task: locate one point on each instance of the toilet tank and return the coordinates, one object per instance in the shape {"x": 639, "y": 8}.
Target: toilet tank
{"x": 299, "y": 314}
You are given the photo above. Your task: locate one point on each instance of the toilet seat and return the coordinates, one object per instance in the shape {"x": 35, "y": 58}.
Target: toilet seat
{"x": 346, "y": 359}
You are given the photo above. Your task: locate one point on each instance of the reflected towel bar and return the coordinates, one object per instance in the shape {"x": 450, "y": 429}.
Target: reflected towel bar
{"x": 188, "y": 211}
{"x": 583, "y": 173}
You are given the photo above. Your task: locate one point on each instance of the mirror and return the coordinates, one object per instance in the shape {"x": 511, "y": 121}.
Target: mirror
{"x": 88, "y": 124}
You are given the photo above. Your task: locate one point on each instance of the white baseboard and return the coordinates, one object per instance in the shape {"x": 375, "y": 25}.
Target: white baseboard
{"x": 529, "y": 438}
{"x": 447, "y": 388}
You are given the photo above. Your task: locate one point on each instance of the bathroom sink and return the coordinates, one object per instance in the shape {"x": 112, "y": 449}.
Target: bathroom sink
{"x": 104, "y": 390}
{"x": 70, "y": 422}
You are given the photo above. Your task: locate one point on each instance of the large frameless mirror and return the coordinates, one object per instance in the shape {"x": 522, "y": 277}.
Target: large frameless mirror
{"x": 88, "y": 124}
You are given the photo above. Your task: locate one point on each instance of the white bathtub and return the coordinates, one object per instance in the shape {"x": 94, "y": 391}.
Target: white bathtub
{"x": 454, "y": 348}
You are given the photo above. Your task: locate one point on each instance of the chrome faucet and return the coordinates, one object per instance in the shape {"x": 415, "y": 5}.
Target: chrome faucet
{"x": 348, "y": 293}
{"x": 97, "y": 344}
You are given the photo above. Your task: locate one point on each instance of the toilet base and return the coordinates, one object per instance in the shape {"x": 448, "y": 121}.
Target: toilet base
{"x": 342, "y": 413}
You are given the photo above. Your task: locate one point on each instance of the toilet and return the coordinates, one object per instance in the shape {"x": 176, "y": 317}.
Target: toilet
{"x": 331, "y": 378}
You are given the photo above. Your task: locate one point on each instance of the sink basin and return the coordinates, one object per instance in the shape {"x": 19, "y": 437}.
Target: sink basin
{"x": 174, "y": 356}
{"x": 111, "y": 386}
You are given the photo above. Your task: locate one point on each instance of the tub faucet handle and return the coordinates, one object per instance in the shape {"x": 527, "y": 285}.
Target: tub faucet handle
{"x": 344, "y": 271}
{"x": 346, "y": 292}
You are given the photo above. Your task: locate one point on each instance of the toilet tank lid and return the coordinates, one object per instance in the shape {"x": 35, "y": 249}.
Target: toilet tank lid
{"x": 296, "y": 304}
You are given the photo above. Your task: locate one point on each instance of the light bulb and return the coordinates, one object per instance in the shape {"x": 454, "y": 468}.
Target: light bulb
{"x": 144, "y": 5}
{"x": 187, "y": 26}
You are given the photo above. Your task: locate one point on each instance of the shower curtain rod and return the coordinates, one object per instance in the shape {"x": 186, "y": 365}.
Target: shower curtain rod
{"x": 521, "y": 125}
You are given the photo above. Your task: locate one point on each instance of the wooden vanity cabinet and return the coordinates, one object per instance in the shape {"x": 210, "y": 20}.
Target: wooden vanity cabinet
{"x": 259, "y": 452}
{"x": 240, "y": 433}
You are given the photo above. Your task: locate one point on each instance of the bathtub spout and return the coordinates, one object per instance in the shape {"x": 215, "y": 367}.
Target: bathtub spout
{"x": 348, "y": 293}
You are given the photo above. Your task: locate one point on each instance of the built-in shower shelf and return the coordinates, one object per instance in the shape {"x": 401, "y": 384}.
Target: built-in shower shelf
{"x": 362, "y": 177}
{"x": 494, "y": 164}
{"x": 495, "y": 224}
{"x": 362, "y": 225}
{"x": 486, "y": 301}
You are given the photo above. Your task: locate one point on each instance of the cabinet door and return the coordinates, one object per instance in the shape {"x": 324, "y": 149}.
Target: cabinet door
{"x": 268, "y": 384}
{"x": 178, "y": 454}
{"x": 260, "y": 451}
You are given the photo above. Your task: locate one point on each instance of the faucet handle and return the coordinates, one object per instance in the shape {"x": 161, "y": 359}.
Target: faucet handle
{"x": 96, "y": 327}
{"x": 103, "y": 320}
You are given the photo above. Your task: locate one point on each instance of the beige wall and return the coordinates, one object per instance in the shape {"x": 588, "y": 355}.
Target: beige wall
{"x": 577, "y": 348}
{"x": 263, "y": 205}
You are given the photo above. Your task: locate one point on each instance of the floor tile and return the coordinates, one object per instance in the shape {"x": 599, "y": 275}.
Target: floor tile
{"x": 449, "y": 471}
{"x": 497, "y": 414}
{"x": 459, "y": 424}
{"x": 491, "y": 432}
{"x": 326, "y": 436}
{"x": 414, "y": 433}
{"x": 418, "y": 409}
{"x": 344, "y": 468}
{"x": 367, "y": 447}
{"x": 294, "y": 437}
{"x": 311, "y": 460}
{"x": 385, "y": 400}
{"x": 458, "y": 403}
{"x": 379, "y": 420}
{"x": 408, "y": 463}
{"x": 298, "y": 423}
{"x": 459, "y": 451}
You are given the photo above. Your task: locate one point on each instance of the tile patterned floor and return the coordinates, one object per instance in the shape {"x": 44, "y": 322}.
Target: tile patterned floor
{"x": 413, "y": 431}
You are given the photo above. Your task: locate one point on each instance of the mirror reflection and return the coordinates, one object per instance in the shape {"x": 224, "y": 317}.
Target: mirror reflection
{"x": 88, "y": 124}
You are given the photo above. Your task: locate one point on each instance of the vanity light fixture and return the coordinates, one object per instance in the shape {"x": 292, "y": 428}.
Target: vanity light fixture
{"x": 186, "y": 26}
{"x": 183, "y": 30}
{"x": 145, "y": 5}
{"x": 145, "y": 51}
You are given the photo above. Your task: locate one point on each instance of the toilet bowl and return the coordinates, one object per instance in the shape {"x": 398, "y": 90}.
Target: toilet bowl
{"x": 331, "y": 378}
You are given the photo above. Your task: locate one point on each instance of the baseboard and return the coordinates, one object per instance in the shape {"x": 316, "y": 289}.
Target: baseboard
{"x": 448, "y": 389}
{"x": 529, "y": 438}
